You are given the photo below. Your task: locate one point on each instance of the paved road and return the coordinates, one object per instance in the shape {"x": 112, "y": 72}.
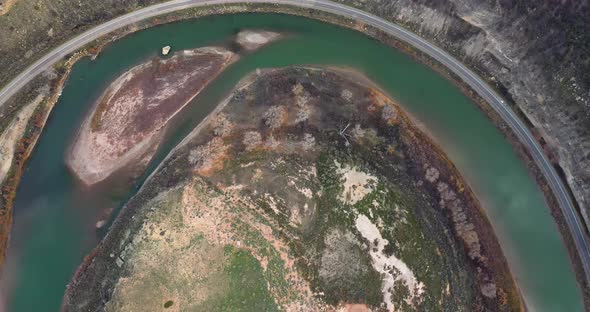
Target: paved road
{"x": 522, "y": 132}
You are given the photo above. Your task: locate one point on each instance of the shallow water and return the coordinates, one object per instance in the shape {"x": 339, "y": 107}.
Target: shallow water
{"x": 54, "y": 219}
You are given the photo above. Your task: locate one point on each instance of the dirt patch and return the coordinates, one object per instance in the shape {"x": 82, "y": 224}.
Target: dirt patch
{"x": 253, "y": 39}
{"x": 392, "y": 268}
{"x": 357, "y": 184}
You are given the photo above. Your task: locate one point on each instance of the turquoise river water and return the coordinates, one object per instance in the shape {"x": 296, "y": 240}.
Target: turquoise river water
{"x": 54, "y": 218}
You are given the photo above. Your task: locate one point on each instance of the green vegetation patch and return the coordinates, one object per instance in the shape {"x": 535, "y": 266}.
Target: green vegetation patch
{"x": 247, "y": 287}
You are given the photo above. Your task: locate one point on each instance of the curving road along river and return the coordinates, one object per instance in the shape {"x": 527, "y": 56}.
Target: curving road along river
{"x": 525, "y": 136}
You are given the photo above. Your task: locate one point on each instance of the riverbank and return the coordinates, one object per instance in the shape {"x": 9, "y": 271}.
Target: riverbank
{"x": 520, "y": 149}
{"x": 33, "y": 127}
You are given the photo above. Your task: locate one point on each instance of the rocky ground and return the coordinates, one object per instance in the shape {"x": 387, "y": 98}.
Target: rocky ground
{"x": 305, "y": 190}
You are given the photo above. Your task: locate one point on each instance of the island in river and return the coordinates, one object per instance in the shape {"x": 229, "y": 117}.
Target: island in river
{"x": 128, "y": 122}
{"x": 306, "y": 189}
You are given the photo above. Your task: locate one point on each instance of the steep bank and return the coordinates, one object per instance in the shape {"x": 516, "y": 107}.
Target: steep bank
{"x": 292, "y": 162}
{"x": 128, "y": 121}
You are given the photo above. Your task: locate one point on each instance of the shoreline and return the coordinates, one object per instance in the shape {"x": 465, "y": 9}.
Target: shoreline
{"x": 371, "y": 32}
{"x": 24, "y": 149}
{"x": 475, "y": 210}
{"x": 478, "y": 214}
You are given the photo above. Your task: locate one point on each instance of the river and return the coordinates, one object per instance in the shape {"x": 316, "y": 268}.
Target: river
{"x": 54, "y": 218}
